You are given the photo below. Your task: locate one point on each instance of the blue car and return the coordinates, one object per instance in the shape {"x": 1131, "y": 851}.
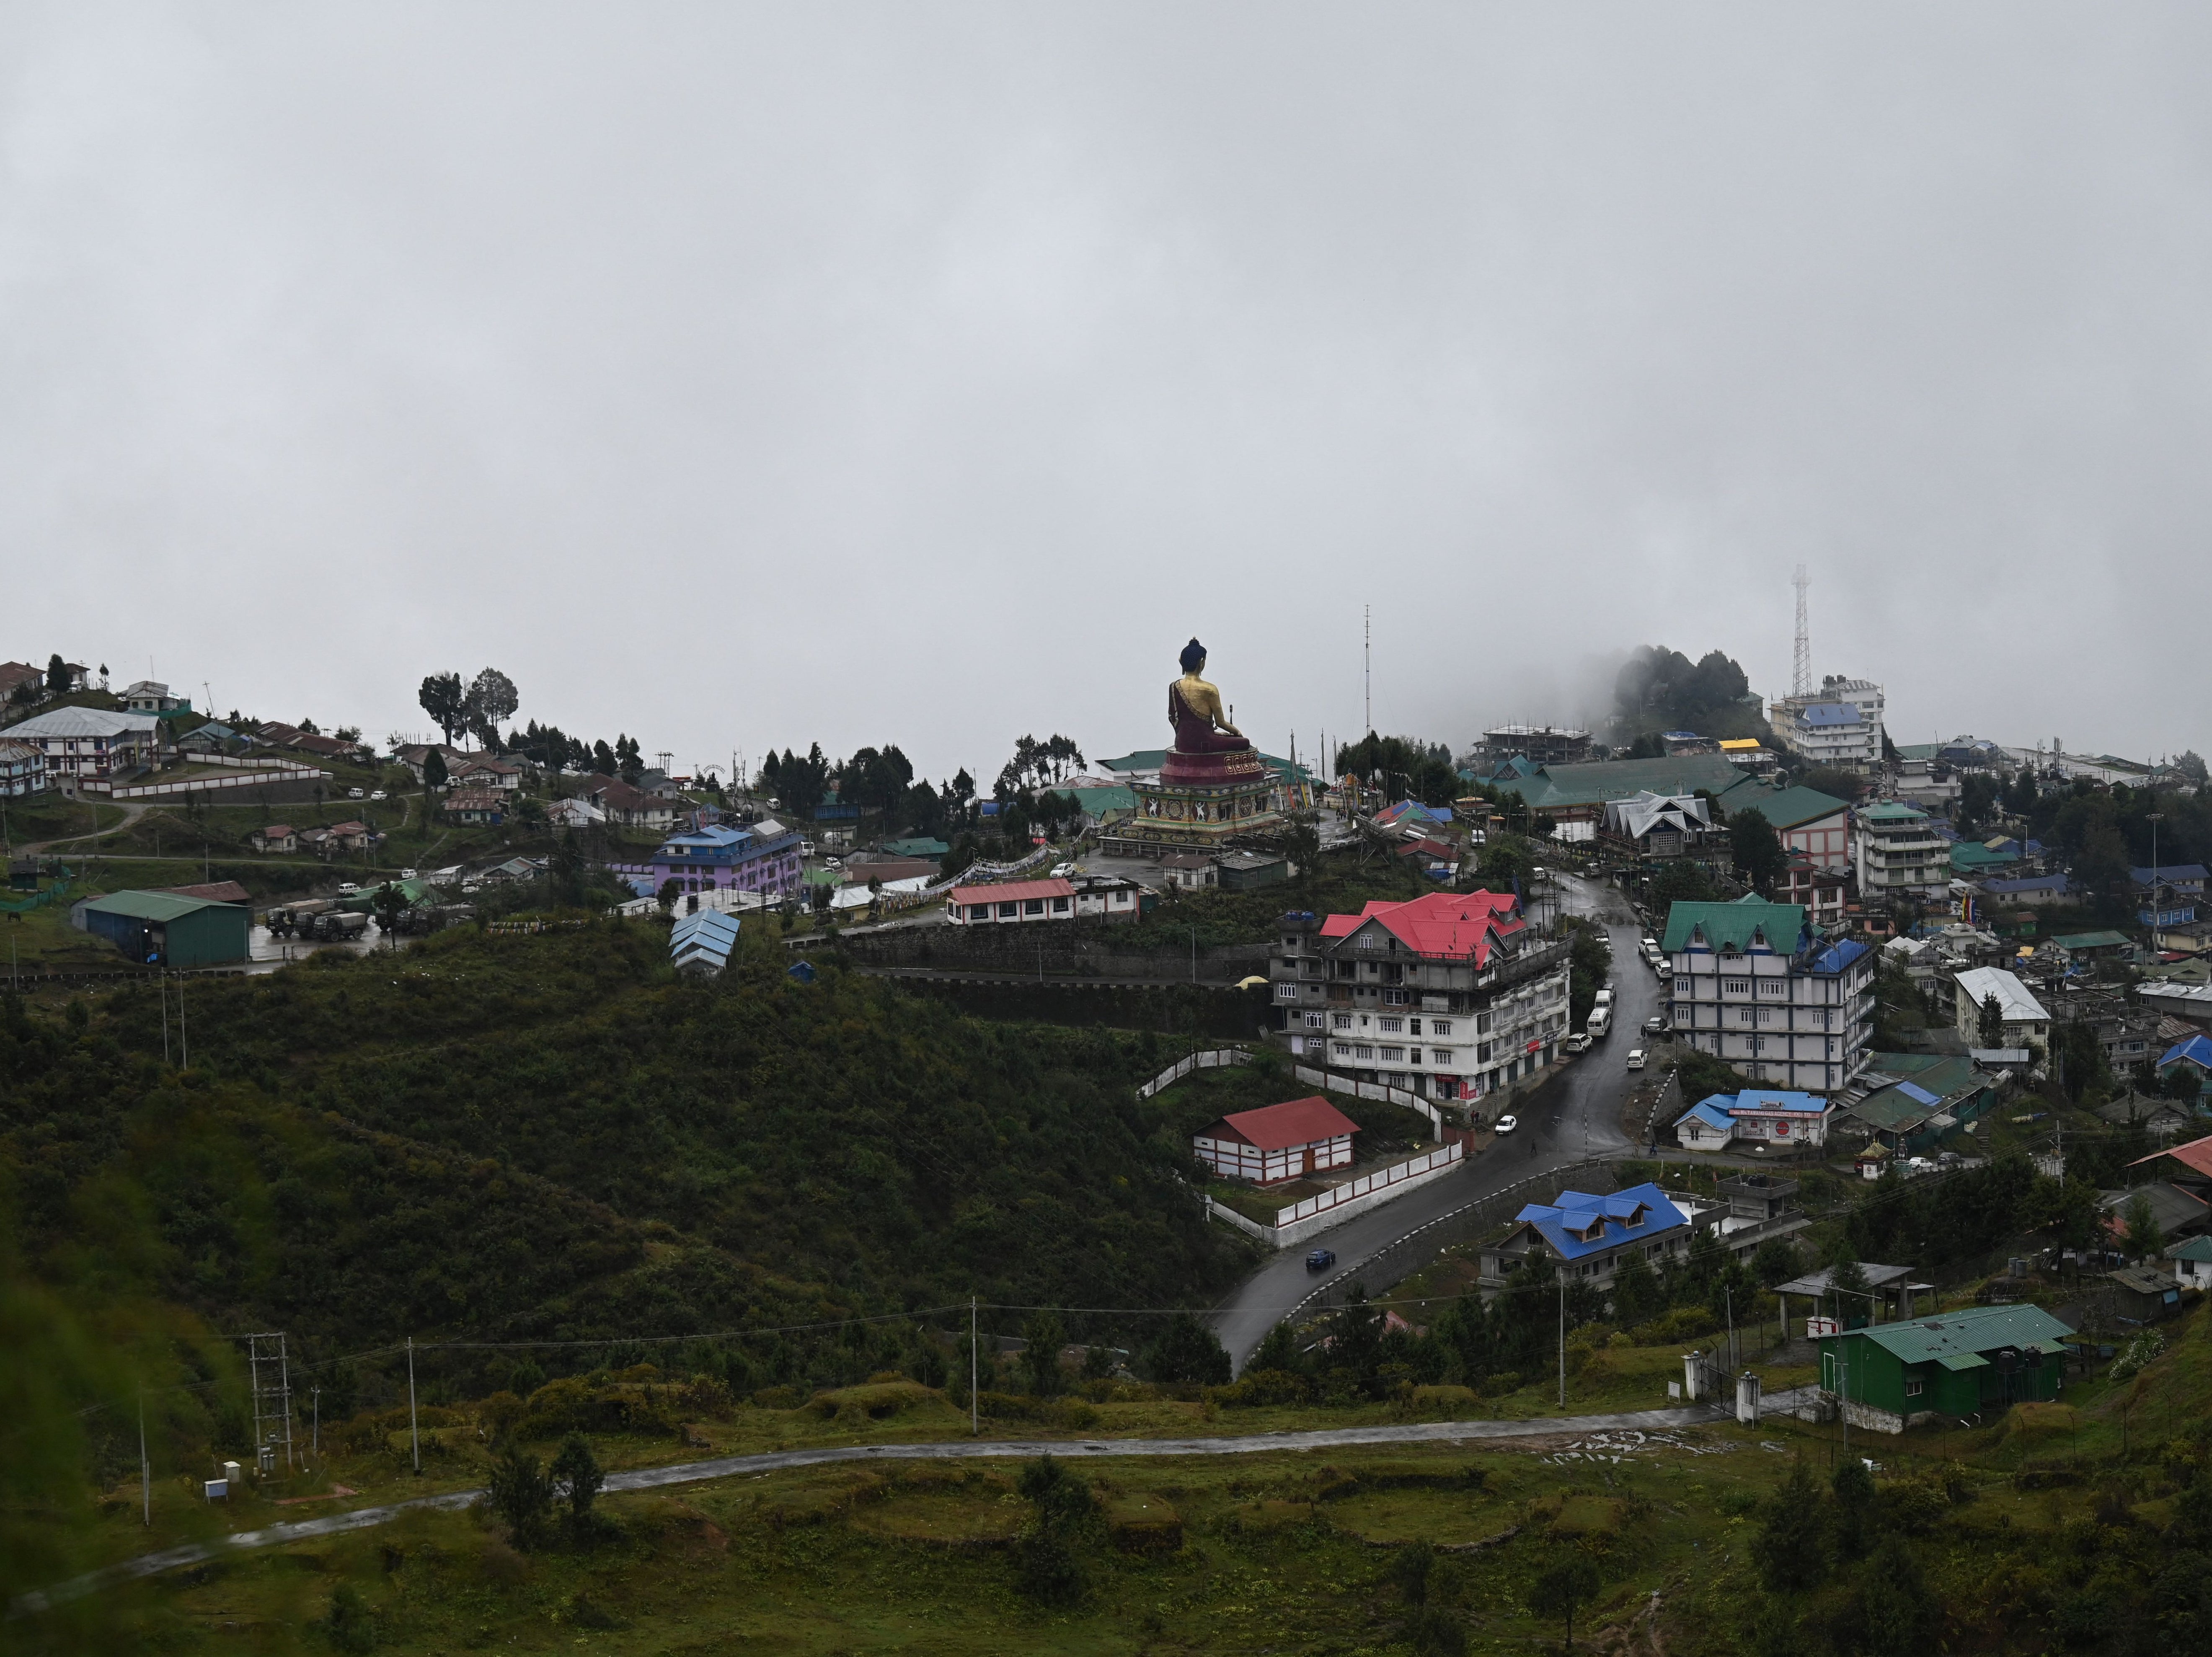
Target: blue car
{"x": 1321, "y": 1260}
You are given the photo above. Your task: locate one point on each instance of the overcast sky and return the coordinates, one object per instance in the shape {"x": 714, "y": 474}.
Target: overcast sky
{"x": 927, "y": 373}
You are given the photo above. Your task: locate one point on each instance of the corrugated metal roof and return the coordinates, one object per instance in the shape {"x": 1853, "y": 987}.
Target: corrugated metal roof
{"x": 1014, "y": 892}
{"x": 1607, "y": 1218}
{"x": 1965, "y": 1333}
{"x": 1294, "y": 1122}
{"x": 1731, "y": 926}
{"x": 153, "y": 906}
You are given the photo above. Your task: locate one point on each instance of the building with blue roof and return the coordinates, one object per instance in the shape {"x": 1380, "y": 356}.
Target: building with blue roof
{"x": 702, "y": 943}
{"x": 1780, "y": 1117}
{"x": 2196, "y": 1053}
{"x": 760, "y": 857}
{"x": 1757, "y": 988}
{"x": 1588, "y": 1236}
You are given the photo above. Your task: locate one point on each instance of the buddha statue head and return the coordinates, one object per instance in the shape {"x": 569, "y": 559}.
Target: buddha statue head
{"x": 1194, "y": 656}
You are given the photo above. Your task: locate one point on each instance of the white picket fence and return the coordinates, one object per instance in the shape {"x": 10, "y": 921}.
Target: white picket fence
{"x": 1182, "y": 1067}
{"x": 1317, "y": 1213}
{"x": 1336, "y": 1082}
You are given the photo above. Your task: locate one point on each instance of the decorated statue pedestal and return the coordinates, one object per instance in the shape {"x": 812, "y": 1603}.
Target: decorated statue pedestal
{"x": 1213, "y": 788}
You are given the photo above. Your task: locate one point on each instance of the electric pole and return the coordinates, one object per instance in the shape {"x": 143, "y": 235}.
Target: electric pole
{"x": 1367, "y": 661}
{"x": 414, "y": 1438}
{"x": 972, "y": 1412}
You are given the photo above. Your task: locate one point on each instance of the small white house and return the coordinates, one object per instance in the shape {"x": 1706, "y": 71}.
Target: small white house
{"x": 2192, "y": 1262}
{"x": 1012, "y": 903}
{"x": 1277, "y": 1143}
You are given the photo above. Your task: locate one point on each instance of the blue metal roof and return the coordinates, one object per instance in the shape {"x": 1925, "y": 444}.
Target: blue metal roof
{"x": 1712, "y": 1114}
{"x": 1832, "y": 713}
{"x": 1581, "y": 1223}
{"x": 1836, "y": 957}
{"x": 1918, "y": 1094}
{"x": 1765, "y": 1099}
{"x": 2198, "y": 1049}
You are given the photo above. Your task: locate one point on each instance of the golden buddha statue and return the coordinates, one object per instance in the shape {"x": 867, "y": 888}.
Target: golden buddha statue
{"x": 1195, "y": 709}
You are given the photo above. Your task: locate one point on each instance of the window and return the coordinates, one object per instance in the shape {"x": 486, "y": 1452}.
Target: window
{"x": 1440, "y": 1056}
{"x": 1008, "y": 911}
{"x": 1440, "y": 1027}
{"x": 1342, "y": 1021}
{"x": 1773, "y": 986}
{"x": 1684, "y": 986}
{"x": 1396, "y": 998}
{"x": 1033, "y": 905}
{"x": 1059, "y": 906}
{"x": 1391, "y": 1026}
{"x": 1313, "y": 1021}
{"x": 979, "y": 912}
{"x": 1735, "y": 986}
{"x": 1912, "y": 1389}
{"x": 1393, "y": 1056}
{"x": 1369, "y": 941}
{"x": 1362, "y": 1051}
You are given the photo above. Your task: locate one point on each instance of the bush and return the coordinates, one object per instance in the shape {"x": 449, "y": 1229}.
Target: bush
{"x": 349, "y": 1623}
{"x": 1260, "y": 1387}
{"x": 1683, "y": 1323}
{"x": 521, "y": 1493}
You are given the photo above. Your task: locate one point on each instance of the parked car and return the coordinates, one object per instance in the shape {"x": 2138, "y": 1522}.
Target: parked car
{"x": 1321, "y": 1260}
{"x": 1506, "y": 1124}
{"x": 348, "y": 889}
{"x": 1654, "y": 1024}
{"x": 1604, "y": 998}
{"x": 1635, "y": 1056}
{"x": 1647, "y": 943}
{"x": 1062, "y": 870}
{"x": 353, "y": 793}
{"x": 1577, "y": 1042}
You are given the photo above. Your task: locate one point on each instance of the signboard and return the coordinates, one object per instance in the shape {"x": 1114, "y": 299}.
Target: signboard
{"x": 1533, "y": 1045}
{"x": 218, "y": 1490}
{"x": 1816, "y": 1327}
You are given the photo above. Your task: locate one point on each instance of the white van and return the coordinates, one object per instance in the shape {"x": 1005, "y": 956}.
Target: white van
{"x": 1599, "y": 1021}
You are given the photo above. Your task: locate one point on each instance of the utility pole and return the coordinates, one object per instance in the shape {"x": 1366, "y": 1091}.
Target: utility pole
{"x": 1563, "y": 1341}
{"x": 161, "y": 988}
{"x": 145, "y": 1467}
{"x": 184, "y": 1040}
{"x": 414, "y": 1438}
{"x": 1367, "y": 660}
{"x": 1727, "y": 1293}
{"x": 316, "y": 1442}
{"x": 972, "y": 1413}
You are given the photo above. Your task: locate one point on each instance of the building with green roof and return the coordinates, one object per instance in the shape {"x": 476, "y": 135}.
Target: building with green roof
{"x": 161, "y": 929}
{"x": 1889, "y": 1376}
{"x": 1754, "y": 987}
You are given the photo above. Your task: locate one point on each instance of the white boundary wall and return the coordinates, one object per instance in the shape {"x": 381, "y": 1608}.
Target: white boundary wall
{"x": 1303, "y": 1219}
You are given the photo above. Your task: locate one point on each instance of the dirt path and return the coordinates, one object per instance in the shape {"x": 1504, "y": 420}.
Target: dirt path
{"x": 132, "y": 813}
{"x": 730, "y": 1466}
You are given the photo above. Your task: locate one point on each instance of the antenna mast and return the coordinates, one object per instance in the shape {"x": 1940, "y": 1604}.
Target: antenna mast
{"x": 1367, "y": 660}
{"x": 1801, "y": 670}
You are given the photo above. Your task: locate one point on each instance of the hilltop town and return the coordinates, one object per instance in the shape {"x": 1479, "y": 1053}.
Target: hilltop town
{"x": 1733, "y": 1071}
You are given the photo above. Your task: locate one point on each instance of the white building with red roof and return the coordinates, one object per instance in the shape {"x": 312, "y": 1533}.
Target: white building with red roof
{"x": 1279, "y": 1142}
{"x": 1451, "y": 995}
{"x": 1010, "y": 903}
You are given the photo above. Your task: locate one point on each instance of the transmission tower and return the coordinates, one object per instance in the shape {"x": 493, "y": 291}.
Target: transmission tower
{"x": 1801, "y": 670}
{"x": 272, "y": 1400}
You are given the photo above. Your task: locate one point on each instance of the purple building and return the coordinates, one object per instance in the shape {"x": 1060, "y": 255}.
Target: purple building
{"x": 761, "y": 857}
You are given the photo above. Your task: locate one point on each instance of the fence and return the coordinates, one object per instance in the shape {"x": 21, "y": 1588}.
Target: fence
{"x": 1337, "y": 1082}
{"x": 1182, "y": 1067}
{"x": 185, "y": 789}
{"x": 1303, "y": 1218}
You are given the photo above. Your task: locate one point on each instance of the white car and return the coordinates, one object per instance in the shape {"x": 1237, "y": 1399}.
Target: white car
{"x": 1506, "y": 1124}
{"x": 1578, "y": 1042}
{"x": 1636, "y": 1059}
{"x": 348, "y": 889}
{"x": 1062, "y": 870}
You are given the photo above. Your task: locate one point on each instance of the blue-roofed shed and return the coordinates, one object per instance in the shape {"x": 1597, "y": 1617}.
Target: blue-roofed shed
{"x": 703, "y": 943}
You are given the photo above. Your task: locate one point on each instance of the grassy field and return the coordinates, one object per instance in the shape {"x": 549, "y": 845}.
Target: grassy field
{"x": 1290, "y": 1551}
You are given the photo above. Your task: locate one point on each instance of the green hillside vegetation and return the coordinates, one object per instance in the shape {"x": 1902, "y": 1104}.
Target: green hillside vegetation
{"x": 549, "y": 1134}
{"x": 2081, "y": 1526}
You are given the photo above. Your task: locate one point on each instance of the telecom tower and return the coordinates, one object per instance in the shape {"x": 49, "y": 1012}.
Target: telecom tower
{"x": 1801, "y": 670}
{"x": 272, "y": 1400}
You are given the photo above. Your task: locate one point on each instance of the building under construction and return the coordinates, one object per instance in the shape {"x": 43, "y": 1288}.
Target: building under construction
{"x": 1539, "y": 744}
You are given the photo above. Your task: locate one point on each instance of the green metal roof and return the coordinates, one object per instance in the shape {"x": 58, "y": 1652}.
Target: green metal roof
{"x": 1729, "y": 926}
{"x": 1964, "y": 1334}
{"x": 1890, "y": 810}
{"x": 2196, "y": 1248}
{"x": 1966, "y": 854}
{"x": 155, "y": 905}
{"x": 1963, "y": 1361}
{"x": 1785, "y": 808}
{"x": 1600, "y": 781}
{"x": 2094, "y": 941}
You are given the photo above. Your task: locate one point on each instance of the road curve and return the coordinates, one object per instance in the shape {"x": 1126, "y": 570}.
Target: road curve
{"x": 731, "y": 1467}
{"x": 1582, "y": 1119}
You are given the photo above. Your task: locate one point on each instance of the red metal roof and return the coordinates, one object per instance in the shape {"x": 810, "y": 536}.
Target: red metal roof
{"x": 1013, "y": 891}
{"x": 1441, "y": 925}
{"x": 1282, "y": 1128}
{"x": 2197, "y": 1154}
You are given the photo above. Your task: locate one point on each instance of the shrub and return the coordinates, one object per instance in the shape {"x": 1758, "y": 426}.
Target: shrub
{"x": 521, "y": 1493}
{"x": 1683, "y": 1323}
{"x": 1260, "y": 1387}
{"x": 349, "y": 1623}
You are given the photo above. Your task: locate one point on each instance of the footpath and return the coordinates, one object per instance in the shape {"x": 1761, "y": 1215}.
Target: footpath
{"x": 730, "y": 1466}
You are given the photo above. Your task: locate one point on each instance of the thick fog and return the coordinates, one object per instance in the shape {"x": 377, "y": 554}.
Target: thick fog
{"x": 735, "y": 375}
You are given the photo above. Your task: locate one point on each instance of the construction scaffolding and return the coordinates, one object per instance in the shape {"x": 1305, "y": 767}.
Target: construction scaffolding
{"x": 272, "y": 1372}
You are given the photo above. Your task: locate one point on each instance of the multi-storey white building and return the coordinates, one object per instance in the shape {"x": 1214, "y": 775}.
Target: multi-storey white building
{"x": 1449, "y": 995}
{"x": 83, "y": 742}
{"x": 1840, "y": 724}
{"x": 1754, "y": 988}
{"x": 1899, "y": 854}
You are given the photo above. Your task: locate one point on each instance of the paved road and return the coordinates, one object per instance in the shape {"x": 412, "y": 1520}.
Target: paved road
{"x": 731, "y": 1467}
{"x": 1582, "y": 1118}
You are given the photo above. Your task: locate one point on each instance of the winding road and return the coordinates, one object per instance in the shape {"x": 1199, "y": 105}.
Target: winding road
{"x": 1581, "y": 1118}
{"x": 733, "y": 1466}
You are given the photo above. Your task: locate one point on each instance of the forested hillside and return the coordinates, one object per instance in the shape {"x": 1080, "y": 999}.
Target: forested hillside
{"x": 550, "y": 1136}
